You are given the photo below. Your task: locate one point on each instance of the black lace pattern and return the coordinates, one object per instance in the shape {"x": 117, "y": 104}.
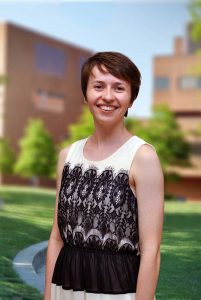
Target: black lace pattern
{"x": 97, "y": 210}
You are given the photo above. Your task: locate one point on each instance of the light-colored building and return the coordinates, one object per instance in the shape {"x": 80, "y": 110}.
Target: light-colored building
{"x": 177, "y": 82}
{"x": 43, "y": 82}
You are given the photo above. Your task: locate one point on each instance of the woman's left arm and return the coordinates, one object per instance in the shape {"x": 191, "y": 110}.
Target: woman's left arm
{"x": 149, "y": 182}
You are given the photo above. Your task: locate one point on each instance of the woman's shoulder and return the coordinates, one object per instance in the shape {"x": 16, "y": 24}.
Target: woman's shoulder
{"x": 146, "y": 157}
{"x": 144, "y": 153}
{"x": 65, "y": 152}
{"x": 144, "y": 146}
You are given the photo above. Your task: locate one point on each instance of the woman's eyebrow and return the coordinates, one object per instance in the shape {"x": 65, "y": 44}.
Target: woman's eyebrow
{"x": 120, "y": 83}
{"x": 97, "y": 81}
{"x": 116, "y": 82}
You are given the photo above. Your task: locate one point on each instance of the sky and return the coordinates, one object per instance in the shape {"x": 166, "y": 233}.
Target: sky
{"x": 139, "y": 29}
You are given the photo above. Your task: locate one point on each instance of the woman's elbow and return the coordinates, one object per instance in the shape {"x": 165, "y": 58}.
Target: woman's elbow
{"x": 151, "y": 252}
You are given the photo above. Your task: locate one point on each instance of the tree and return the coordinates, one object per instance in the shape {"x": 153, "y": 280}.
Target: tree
{"x": 195, "y": 11}
{"x": 37, "y": 153}
{"x": 80, "y": 129}
{"x": 164, "y": 133}
{"x": 7, "y": 157}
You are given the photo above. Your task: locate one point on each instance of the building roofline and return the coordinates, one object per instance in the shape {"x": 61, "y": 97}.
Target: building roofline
{"x": 43, "y": 34}
{"x": 184, "y": 55}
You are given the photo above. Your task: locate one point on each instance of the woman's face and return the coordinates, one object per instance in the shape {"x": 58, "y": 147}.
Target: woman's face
{"x": 107, "y": 96}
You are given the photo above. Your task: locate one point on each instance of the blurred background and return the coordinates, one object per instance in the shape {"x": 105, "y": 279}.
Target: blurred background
{"x": 43, "y": 45}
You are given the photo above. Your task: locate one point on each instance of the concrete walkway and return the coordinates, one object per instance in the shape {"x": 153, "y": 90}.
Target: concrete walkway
{"x": 30, "y": 265}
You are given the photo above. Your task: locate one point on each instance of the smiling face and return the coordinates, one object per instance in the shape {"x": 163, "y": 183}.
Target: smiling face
{"x": 107, "y": 96}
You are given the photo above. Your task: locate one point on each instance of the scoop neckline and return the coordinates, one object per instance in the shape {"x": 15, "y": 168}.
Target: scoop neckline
{"x": 108, "y": 157}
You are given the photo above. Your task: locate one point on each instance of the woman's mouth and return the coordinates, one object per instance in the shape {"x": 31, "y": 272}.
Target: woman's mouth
{"x": 107, "y": 107}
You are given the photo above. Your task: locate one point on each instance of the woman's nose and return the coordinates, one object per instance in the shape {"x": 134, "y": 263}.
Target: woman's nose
{"x": 108, "y": 94}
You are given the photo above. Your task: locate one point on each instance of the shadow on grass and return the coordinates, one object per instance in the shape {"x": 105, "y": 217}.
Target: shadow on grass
{"x": 179, "y": 278}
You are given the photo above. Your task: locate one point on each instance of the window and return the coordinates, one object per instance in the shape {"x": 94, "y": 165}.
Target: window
{"x": 49, "y": 101}
{"x": 190, "y": 82}
{"x": 50, "y": 60}
{"x": 161, "y": 83}
{"x": 43, "y": 95}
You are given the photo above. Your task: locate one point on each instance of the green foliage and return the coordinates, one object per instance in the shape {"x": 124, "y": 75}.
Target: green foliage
{"x": 81, "y": 129}
{"x": 3, "y": 79}
{"x": 38, "y": 155}
{"x": 7, "y": 157}
{"x": 196, "y": 132}
{"x": 134, "y": 125}
{"x": 195, "y": 11}
{"x": 199, "y": 130}
{"x": 163, "y": 132}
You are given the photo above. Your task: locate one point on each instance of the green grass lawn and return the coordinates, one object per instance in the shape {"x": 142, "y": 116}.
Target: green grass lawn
{"x": 26, "y": 219}
{"x": 180, "y": 275}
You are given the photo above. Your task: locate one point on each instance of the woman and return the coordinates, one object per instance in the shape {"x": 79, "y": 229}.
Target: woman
{"x": 105, "y": 240}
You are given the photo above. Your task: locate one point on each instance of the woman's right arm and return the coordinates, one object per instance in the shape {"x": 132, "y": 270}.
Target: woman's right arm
{"x": 55, "y": 242}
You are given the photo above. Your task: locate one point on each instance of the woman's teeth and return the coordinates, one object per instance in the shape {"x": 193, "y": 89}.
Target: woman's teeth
{"x": 104, "y": 107}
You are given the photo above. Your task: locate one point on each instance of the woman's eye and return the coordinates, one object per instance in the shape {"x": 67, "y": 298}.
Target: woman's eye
{"x": 97, "y": 87}
{"x": 120, "y": 88}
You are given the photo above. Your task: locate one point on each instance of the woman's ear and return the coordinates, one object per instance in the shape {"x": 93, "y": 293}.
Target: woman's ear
{"x": 85, "y": 100}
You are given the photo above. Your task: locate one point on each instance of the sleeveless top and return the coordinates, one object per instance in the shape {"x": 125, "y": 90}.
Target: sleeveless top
{"x": 98, "y": 222}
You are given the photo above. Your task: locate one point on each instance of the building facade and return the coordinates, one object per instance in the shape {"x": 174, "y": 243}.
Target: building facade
{"x": 43, "y": 81}
{"x": 177, "y": 83}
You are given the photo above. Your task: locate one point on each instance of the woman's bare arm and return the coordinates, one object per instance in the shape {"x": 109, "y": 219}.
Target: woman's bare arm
{"x": 55, "y": 242}
{"x": 149, "y": 181}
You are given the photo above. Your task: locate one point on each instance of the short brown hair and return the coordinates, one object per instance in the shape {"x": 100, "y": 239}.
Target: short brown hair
{"x": 116, "y": 64}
